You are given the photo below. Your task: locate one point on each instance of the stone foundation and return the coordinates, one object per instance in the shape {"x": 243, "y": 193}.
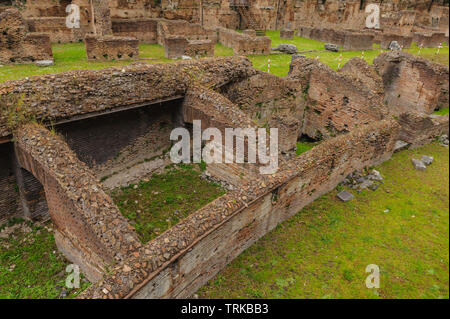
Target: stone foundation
{"x": 111, "y": 48}
{"x": 387, "y": 38}
{"x": 358, "y": 41}
{"x": 249, "y": 32}
{"x": 145, "y": 30}
{"x": 17, "y": 45}
{"x": 177, "y": 46}
{"x": 287, "y": 34}
{"x": 433, "y": 40}
{"x": 243, "y": 44}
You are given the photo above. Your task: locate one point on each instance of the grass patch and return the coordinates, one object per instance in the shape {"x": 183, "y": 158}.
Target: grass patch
{"x": 305, "y": 145}
{"x": 443, "y": 111}
{"x": 155, "y": 205}
{"x": 323, "y": 251}
{"x": 30, "y": 265}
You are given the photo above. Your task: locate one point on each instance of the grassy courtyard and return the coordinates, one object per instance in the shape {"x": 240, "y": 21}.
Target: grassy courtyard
{"x": 156, "y": 204}
{"x": 72, "y": 56}
{"x": 323, "y": 251}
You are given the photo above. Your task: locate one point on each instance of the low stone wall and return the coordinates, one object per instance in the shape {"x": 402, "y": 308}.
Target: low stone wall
{"x": 89, "y": 228}
{"x": 55, "y": 27}
{"x": 337, "y": 102}
{"x": 287, "y": 34}
{"x": 387, "y": 38}
{"x": 185, "y": 257}
{"x": 243, "y": 44}
{"x": 249, "y": 32}
{"x": 191, "y": 31}
{"x": 74, "y": 94}
{"x": 358, "y": 41}
{"x": 177, "y": 46}
{"x": 432, "y": 40}
{"x": 111, "y": 48}
{"x": 145, "y": 30}
{"x": 349, "y": 39}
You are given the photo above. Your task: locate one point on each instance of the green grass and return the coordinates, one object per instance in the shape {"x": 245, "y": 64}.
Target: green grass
{"x": 72, "y": 56}
{"x": 322, "y": 252}
{"x": 304, "y": 146}
{"x": 155, "y": 205}
{"x": 443, "y": 111}
{"x": 30, "y": 265}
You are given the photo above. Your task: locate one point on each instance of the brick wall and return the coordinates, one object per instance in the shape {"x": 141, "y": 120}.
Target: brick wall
{"x": 185, "y": 257}
{"x": 89, "y": 228}
{"x": 103, "y": 139}
{"x": 145, "y": 30}
{"x": 9, "y": 196}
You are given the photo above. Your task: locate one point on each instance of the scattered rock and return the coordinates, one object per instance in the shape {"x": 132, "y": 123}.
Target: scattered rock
{"x": 394, "y": 46}
{"x": 365, "y": 184}
{"x": 331, "y": 47}
{"x": 374, "y": 186}
{"x": 345, "y": 196}
{"x": 427, "y": 160}
{"x": 400, "y": 145}
{"x": 45, "y": 63}
{"x": 418, "y": 165}
{"x": 443, "y": 140}
{"x": 63, "y": 293}
{"x": 287, "y": 48}
{"x": 375, "y": 175}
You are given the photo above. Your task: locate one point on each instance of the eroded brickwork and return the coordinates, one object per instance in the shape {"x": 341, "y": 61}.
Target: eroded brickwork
{"x": 89, "y": 228}
{"x": 180, "y": 261}
{"x": 111, "y": 48}
{"x": 243, "y": 44}
{"x": 77, "y": 93}
{"x": 336, "y": 102}
{"x": 17, "y": 45}
{"x": 412, "y": 83}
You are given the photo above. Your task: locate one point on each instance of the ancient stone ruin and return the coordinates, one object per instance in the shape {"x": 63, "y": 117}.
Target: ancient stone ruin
{"x": 62, "y": 134}
{"x": 17, "y": 44}
{"x": 60, "y": 177}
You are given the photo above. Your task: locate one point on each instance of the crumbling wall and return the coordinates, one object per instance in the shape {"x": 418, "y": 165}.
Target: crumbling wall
{"x": 89, "y": 228}
{"x": 421, "y": 129}
{"x": 336, "y": 103}
{"x": 17, "y": 45}
{"x": 178, "y": 46}
{"x": 74, "y": 94}
{"x": 185, "y": 257}
{"x": 9, "y": 196}
{"x": 112, "y": 143}
{"x": 412, "y": 83}
{"x": 243, "y": 44}
{"x": 190, "y": 31}
{"x": 145, "y": 30}
{"x": 111, "y": 48}
{"x": 271, "y": 101}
